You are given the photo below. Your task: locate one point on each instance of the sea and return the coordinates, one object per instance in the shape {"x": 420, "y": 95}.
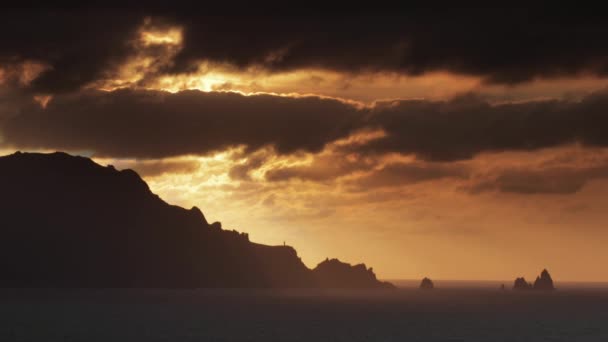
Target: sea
{"x": 453, "y": 311}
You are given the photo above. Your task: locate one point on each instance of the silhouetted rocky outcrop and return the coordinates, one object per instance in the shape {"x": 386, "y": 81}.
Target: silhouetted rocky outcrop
{"x": 68, "y": 222}
{"x": 544, "y": 282}
{"x": 333, "y": 273}
{"x": 521, "y": 284}
{"x": 427, "y": 284}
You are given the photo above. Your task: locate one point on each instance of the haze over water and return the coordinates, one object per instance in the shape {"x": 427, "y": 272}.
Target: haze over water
{"x": 406, "y": 314}
{"x": 495, "y": 284}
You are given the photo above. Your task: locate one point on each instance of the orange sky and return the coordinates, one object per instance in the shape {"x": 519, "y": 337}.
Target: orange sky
{"x": 472, "y": 219}
{"x": 436, "y": 228}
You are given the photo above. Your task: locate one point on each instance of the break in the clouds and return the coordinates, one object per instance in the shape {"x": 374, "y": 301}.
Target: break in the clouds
{"x": 78, "y": 47}
{"x": 156, "y": 124}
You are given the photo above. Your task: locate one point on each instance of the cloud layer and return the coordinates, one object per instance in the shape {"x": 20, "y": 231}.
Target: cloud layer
{"x": 155, "y": 124}
{"x": 500, "y": 46}
{"x": 418, "y": 180}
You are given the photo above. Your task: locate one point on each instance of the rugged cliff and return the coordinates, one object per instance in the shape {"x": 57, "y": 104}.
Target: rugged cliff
{"x": 69, "y": 222}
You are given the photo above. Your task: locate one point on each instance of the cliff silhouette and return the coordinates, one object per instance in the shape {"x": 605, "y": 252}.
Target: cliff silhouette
{"x": 69, "y": 222}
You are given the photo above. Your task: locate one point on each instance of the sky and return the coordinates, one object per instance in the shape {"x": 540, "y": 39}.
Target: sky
{"x": 453, "y": 144}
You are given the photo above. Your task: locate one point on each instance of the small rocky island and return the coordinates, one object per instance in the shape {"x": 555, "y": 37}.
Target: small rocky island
{"x": 544, "y": 282}
{"x": 426, "y": 284}
{"x": 521, "y": 284}
{"x": 333, "y": 273}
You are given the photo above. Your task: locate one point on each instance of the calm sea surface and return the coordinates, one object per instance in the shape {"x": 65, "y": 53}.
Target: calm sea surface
{"x": 450, "y": 313}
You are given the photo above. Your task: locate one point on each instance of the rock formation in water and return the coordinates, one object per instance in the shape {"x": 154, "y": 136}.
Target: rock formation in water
{"x": 336, "y": 274}
{"x": 544, "y": 282}
{"x": 521, "y": 284}
{"x": 68, "y": 222}
{"x": 427, "y": 284}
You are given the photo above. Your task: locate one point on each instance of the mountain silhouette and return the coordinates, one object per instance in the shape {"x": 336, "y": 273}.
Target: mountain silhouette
{"x": 66, "y": 221}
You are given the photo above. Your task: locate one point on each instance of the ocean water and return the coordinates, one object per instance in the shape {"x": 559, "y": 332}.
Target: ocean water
{"x": 458, "y": 313}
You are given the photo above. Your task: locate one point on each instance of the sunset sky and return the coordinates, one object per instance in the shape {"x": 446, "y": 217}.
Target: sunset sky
{"x": 451, "y": 144}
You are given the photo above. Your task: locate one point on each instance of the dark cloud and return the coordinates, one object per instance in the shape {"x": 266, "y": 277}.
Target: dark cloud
{"x": 155, "y": 124}
{"x": 398, "y": 174}
{"x": 460, "y": 128}
{"x": 557, "y": 180}
{"x": 78, "y": 45}
{"x": 11, "y": 101}
{"x": 505, "y": 46}
{"x": 153, "y": 168}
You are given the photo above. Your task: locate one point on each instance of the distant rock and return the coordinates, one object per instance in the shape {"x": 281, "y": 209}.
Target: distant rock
{"x": 336, "y": 274}
{"x": 427, "y": 284}
{"x": 521, "y": 284}
{"x": 544, "y": 282}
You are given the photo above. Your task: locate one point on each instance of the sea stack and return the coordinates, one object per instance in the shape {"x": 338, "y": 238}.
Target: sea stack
{"x": 333, "y": 273}
{"x": 521, "y": 284}
{"x": 427, "y": 284}
{"x": 544, "y": 282}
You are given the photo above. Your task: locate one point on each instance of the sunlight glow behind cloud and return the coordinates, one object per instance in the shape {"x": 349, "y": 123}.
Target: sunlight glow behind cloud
{"x": 335, "y": 196}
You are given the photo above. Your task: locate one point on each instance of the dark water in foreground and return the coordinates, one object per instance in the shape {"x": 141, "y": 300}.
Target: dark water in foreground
{"x": 454, "y": 314}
